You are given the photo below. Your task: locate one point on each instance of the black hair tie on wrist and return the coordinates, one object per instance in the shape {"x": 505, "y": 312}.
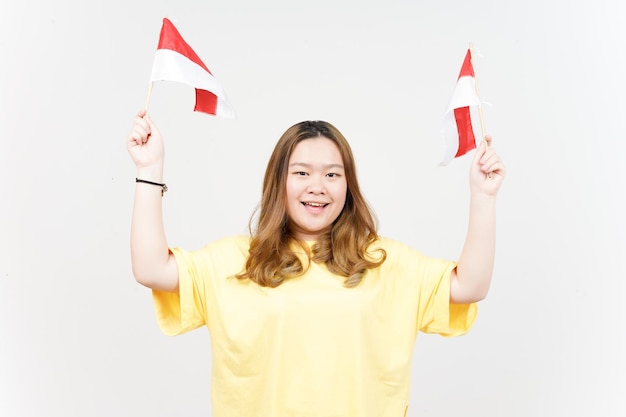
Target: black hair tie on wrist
{"x": 163, "y": 186}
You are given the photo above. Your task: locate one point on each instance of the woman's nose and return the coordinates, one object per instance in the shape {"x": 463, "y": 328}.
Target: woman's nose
{"x": 316, "y": 185}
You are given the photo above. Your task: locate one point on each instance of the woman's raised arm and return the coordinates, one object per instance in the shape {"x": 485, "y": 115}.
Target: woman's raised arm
{"x": 472, "y": 277}
{"x": 152, "y": 263}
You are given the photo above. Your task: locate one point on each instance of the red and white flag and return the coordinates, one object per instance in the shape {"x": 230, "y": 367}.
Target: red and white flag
{"x": 176, "y": 61}
{"x": 461, "y": 124}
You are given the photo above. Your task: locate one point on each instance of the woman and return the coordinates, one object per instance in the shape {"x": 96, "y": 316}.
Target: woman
{"x": 314, "y": 314}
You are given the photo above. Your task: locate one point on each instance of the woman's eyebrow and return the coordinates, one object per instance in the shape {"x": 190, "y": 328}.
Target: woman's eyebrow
{"x": 305, "y": 165}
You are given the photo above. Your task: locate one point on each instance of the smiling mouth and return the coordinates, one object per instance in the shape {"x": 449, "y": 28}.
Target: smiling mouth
{"x": 314, "y": 204}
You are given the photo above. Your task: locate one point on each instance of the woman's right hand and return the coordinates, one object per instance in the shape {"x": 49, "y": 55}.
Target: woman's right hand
{"x": 145, "y": 144}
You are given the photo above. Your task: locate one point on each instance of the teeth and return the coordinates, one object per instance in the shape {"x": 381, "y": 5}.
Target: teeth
{"x": 315, "y": 204}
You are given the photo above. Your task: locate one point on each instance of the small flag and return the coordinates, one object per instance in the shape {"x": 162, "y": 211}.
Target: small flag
{"x": 461, "y": 124}
{"x": 176, "y": 61}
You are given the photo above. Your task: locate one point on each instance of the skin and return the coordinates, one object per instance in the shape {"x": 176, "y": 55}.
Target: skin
{"x": 471, "y": 279}
{"x": 153, "y": 265}
{"x": 308, "y": 181}
{"x": 316, "y": 187}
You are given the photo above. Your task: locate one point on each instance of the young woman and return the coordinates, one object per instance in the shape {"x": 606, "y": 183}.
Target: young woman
{"x": 314, "y": 314}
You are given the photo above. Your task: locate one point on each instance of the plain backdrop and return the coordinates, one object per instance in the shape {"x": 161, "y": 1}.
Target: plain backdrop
{"x": 78, "y": 336}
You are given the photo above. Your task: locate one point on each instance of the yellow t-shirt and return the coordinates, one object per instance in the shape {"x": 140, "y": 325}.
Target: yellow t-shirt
{"x": 311, "y": 347}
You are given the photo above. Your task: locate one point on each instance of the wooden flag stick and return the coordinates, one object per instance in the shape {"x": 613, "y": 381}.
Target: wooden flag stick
{"x": 149, "y": 93}
{"x": 480, "y": 106}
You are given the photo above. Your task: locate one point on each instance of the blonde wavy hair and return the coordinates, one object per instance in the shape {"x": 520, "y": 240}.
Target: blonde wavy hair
{"x": 344, "y": 248}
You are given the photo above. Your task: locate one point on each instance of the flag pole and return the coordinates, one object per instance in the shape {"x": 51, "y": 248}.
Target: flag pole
{"x": 148, "y": 97}
{"x": 480, "y": 107}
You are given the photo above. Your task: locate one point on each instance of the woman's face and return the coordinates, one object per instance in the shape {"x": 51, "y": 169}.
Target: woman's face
{"x": 316, "y": 187}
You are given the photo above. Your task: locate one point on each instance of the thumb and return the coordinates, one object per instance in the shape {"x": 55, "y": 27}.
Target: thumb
{"x": 150, "y": 122}
{"x": 480, "y": 150}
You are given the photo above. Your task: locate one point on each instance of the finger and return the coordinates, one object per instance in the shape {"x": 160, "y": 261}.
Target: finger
{"x": 142, "y": 127}
{"x": 488, "y": 159}
{"x": 498, "y": 168}
{"x": 136, "y": 131}
{"x": 480, "y": 152}
{"x": 488, "y": 140}
{"x": 134, "y": 139}
{"x": 138, "y": 134}
{"x": 144, "y": 124}
{"x": 493, "y": 165}
{"x": 143, "y": 131}
{"x": 488, "y": 154}
{"x": 150, "y": 123}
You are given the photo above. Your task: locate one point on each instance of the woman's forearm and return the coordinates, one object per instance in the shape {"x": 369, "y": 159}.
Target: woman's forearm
{"x": 152, "y": 263}
{"x": 475, "y": 265}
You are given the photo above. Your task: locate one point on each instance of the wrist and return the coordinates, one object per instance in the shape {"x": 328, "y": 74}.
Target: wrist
{"x": 152, "y": 183}
{"x": 482, "y": 198}
{"x": 151, "y": 173}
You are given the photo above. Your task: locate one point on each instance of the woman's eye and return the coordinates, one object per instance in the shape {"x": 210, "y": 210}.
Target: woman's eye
{"x": 300, "y": 173}
{"x": 332, "y": 175}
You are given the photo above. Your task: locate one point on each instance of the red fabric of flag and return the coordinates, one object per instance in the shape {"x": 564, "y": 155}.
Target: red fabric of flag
{"x": 175, "y": 60}
{"x": 461, "y": 121}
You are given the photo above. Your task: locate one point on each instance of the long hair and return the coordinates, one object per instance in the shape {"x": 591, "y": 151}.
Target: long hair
{"x": 344, "y": 248}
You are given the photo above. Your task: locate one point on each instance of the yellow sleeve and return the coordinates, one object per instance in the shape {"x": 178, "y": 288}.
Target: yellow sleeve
{"x": 182, "y": 311}
{"x": 437, "y": 314}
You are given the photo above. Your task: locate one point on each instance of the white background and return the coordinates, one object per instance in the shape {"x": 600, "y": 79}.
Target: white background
{"x": 78, "y": 336}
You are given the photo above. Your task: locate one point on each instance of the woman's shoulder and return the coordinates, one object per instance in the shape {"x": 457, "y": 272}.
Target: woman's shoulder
{"x": 229, "y": 243}
{"x": 228, "y": 250}
{"x": 395, "y": 250}
{"x": 389, "y": 244}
